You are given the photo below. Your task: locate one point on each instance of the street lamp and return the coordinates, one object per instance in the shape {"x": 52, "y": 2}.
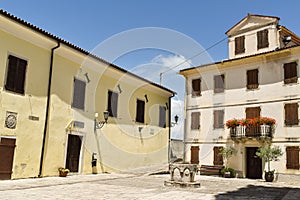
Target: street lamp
{"x": 100, "y": 124}
{"x": 176, "y": 120}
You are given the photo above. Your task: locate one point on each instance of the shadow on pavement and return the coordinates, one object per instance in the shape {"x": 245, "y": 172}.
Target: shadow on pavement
{"x": 261, "y": 192}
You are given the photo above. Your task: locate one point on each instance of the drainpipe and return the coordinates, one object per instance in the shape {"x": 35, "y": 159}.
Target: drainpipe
{"x": 47, "y": 109}
{"x": 170, "y": 125}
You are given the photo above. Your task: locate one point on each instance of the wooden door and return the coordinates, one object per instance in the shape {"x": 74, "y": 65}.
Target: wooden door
{"x": 7, "y": 149}
{"x": 254, "y": 164}
{"x": 73, "y": 153}
{"x": 194, "y": 154}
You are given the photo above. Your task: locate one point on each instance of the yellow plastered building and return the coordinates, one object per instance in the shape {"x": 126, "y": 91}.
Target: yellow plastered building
{"x": 53, "y": 95}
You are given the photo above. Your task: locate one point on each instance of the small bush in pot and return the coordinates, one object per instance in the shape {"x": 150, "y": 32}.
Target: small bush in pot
{"x": 268, "y": 154}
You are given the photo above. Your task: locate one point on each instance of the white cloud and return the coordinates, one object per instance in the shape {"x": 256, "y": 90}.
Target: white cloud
{"x": 175, "y": 62}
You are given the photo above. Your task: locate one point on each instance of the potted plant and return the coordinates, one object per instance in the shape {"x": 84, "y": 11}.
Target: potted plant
{"x": 232, "y": 124}
{"x": 227, "y": 152}
{"x": 63, "y": 172}
{"x": 268, "y": 121}
{"x": 268, "y": 154}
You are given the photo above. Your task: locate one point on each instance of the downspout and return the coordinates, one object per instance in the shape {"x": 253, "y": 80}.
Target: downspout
{"x": 170, "y": 125}
{"x": 47, "y": 109}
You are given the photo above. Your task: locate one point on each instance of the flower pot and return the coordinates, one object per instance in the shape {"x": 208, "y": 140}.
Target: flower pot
{"x": 227, "y": 174}
{"x": 269, "y": 176}
{"x": 63, "y": 174}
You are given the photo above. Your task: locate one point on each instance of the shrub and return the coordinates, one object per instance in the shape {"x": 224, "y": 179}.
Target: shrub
{"x": 228, "y": 169}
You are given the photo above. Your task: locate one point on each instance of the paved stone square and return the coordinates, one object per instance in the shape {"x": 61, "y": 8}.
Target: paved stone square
{"x": 145, "y": 186}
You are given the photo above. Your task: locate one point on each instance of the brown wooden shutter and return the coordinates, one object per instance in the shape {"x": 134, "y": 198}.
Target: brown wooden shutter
{"x": 140, "y": 111}
{"x": 78, "y": 94}
{"x": 195, "y": 124}
{"x": 292, "y": 157}
{"x": 291, "y": 114}
{"x": 196, "y": 86}
{"x": 252, "y": 112}
{"x": 239, "y": 44}
{"x": 262, "y": 39}
{"x": 162, "y": 116}
{"x": 194, "y": 154}
{"x": 290, "y": 72}
{"x": 219, "y": 83}
{"x": 218, "y": 158}
{"x": 16, "y": 73}
{"x": 218, "y": 118}
{"x": 252, "y": 79}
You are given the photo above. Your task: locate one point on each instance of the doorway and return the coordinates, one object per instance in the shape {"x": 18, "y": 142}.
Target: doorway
{"x": 73, "y": 153}
{"x": 7, "y": 150}
{"x": 253, "y": 164}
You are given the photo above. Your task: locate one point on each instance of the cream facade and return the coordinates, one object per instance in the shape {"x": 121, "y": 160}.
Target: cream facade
{"x": 50, "y": 92}
{"x": 257, "y": 82}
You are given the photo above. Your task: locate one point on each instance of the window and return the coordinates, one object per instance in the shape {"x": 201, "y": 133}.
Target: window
{"x": 291, "y": 114}
{"x": 218, "y": 158}
{"x": 196, "y": 86}
{"x": 140, "y": 111}
{"x": 78, "y": 94}
{"x": 252, "y": 79}
{"x": 195, "y": 122}
{"x": 292, "y": 157}
{"x": 290, "y": 72}
{"x": 239, "y": 44}
{"x": 262, "y": 39}
{"x": 218, "y": 118}
{"x": 112, "y": 104}
{"x": 162, "y": 116}
{"x": 219, "y": 83}
{"x": 16, "y": 72}
{"x": 252, "y": 112}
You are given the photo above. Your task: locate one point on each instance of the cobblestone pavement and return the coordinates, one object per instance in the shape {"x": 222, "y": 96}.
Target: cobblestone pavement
{"x": 137, "y": 186}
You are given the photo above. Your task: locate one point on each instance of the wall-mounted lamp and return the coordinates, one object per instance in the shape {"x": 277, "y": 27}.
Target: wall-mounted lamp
{"x": 176, "y": 120}
{"x": 119, "y": 88}
{"x": 146, "y": 97}
{"x": 100, "y": 124}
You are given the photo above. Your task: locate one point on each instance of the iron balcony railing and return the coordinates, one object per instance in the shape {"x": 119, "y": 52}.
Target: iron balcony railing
{"x": 251, "y": 131}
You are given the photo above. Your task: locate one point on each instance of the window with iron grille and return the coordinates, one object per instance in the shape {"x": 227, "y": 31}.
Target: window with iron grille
{"x": 292, "y": 157}
{"x": 219, "y": 83}
{"x": 252, "y": 79}
{"x": 78, "y": 94}
{"x": 195, "y": 120}
{"x": 291, "y": 114}
{"x": 112, "y": 104}
{"x": 290, "y": 72}
{"x": 239, "y": 44}
{"x": 196, "y": 87}
{"x": 218, "y": 119}
{"x": 16, "y": 73}
{"x": 262, "y": 39}
{"x": 140, "y": 111}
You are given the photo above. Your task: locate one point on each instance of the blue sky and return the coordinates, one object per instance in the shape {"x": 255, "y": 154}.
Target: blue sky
{"x": 93, "y": 24}
{"x": 88, "y": 23}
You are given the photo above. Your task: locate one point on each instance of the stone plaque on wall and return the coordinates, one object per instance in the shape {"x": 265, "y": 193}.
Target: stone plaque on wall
{"x": 11, "y": 120}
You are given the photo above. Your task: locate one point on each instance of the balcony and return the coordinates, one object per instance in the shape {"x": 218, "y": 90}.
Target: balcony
{"x": 259, "y": 131}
